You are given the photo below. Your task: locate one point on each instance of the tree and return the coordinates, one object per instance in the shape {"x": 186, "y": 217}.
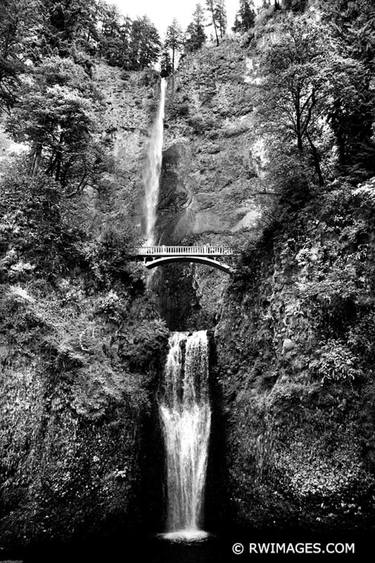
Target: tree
{"x": 295, "y": 5}
{"x": 174, "y": 40}
{"x": 32, "y": 210}
{"x": 350, "y": 111}
{"x": 69, "y": 25}
{"x": 56, "y": 117}
{"x": 245, "y": 17}
{"x": 211, "y": 8}
{"x": 295, "y": 87}
{"x": 195, "y": 35}
{"x": 221, "y": 16}
{"x": 165, "y": 63}
{"x": 115, "y": 37}
{"x": 20, "y": 25}
{"x": 198, "y": 16}
{"x": 217, "y": 11}
{"x": 352, "y": 97}
{"x": 132, "y": 45}
{"x": 314, "y": 89}
{"x": 144, "y": 45}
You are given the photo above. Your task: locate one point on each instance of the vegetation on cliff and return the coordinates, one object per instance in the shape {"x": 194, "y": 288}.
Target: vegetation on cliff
{"x": 271, "y": 149}
{"x": 296, "y": 336}
{"x": 81, "y": 344}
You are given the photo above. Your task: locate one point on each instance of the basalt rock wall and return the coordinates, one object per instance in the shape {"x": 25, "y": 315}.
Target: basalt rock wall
{"x": 212, "y": 189}
{"x": 295, "y": 363}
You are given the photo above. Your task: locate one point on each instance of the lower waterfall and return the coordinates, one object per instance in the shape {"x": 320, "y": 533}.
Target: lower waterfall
{"x": 186, "y": 420}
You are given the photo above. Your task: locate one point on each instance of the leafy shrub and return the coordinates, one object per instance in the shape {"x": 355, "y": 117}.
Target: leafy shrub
{"x": 336, "y": 363}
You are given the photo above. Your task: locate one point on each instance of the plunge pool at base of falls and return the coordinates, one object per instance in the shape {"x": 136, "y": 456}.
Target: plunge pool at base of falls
{"x": 186, "y": 547}
{"x": 187, "y": 536}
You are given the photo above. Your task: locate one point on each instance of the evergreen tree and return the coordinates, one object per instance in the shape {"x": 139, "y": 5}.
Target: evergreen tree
{"x": 144, "y": 45}
{"x": 295, "y": 5}
{"x": 174, "y": 40}
{"x": 132, "y": 45}
{"x": 69, "y": 25}
{"x": 115, "y": 37}
{"x": 165, "y": 63}
{"x": 218, "y": 16}
{"x": 211, "y": 8}
{"x": 56, "y": 117}
{"x": 221, "y": 17}
{"x": 245, "y": 17}
{"x": 195, "y": 35}
{"x": 198, "y": 16}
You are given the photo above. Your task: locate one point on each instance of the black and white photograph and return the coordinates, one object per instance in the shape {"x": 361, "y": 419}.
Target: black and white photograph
{"x": 187, "y": 281}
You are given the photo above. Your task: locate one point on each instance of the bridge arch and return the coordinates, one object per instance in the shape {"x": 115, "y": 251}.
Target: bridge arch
{"x": 190, "y": 258}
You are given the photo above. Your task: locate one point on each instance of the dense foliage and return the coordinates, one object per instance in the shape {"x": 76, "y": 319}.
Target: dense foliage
{"x": 315, "y": 111}
{"x": 245, "y": 17}
{"x": 79, "y": 29}
{"x": 52, "y": 195}
{"x": 174, "y": 40}
{"x": 296, "y": 338}
{"x": 195, "y": 35}
{"x": 316, "y": 91}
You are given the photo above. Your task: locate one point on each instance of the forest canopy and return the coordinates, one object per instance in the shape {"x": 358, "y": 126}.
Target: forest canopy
{"x": 81, "y": 29}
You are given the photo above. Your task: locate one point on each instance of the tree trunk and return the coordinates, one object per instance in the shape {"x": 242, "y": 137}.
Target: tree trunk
{"x": 215, "y": 29}
{"x": 299, "y": 134}
{"x": 216, "y": 35}
{"x": 316, "y": 157}
{"x": 37, "y": 153}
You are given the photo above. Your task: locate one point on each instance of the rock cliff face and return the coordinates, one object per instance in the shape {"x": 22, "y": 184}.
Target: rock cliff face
{"x": 219, "y": 161}
{"x": 296, "y": 366}
{"x": 131, "y": 99}
{"x": 77, "y": 412}
{"x": 212, "y": 187}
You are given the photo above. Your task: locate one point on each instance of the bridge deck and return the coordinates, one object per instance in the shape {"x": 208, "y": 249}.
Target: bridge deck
{"x": 206, "y": 250}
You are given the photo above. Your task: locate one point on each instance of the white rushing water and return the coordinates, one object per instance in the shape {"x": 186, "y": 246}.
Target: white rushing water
{"x": 153, "y": 167}
{"x": 186, "y": 419}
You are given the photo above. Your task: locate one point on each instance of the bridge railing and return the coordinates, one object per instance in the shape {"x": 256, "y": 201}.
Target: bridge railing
{"x": 206, "y": 250}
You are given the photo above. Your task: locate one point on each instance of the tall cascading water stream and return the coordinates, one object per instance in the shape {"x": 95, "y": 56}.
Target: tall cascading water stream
{"x": 153, "y": 167}
{"x": 186, "y": 420}
{"x": 184, "y": 399}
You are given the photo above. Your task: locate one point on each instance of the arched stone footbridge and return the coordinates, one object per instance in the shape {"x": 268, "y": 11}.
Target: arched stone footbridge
{"x": 213, "y": 256}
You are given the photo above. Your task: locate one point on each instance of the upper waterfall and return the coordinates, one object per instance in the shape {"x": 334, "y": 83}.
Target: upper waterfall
{"x": 153, "y": 167}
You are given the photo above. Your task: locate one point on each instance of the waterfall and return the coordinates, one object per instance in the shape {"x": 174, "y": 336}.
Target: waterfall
{"x": 186, "y": 418}
{"x": 153, "y": 167}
